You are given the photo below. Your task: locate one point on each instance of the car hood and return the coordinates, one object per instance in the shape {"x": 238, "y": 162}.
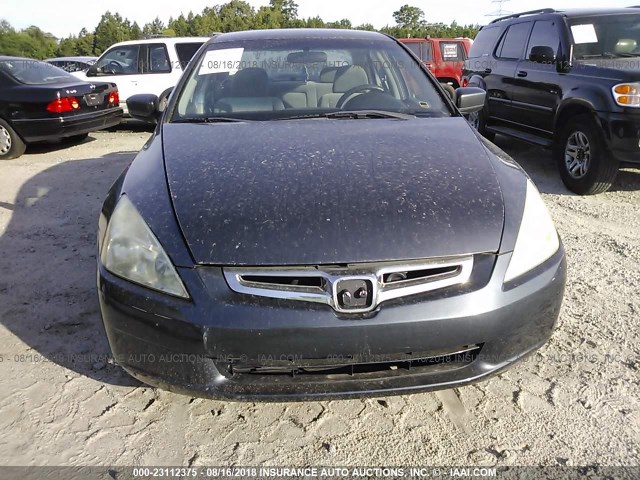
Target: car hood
{"x": 319, "y": 191}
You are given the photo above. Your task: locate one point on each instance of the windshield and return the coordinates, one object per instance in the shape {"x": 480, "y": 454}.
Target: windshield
{"x": 33, "y": 72}
{"x": 306, "y": 78}
{"x": 609, "y": 36}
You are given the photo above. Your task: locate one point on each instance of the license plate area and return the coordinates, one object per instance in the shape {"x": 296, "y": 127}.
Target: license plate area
{"x": 93, "y": 99}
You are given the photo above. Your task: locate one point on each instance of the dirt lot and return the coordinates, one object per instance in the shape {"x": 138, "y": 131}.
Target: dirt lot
{"x": 576, "y": 403}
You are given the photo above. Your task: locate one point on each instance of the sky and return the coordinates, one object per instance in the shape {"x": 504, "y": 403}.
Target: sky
{"x": 70, "y": 16}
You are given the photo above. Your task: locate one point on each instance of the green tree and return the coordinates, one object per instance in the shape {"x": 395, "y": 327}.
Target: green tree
{"x": 313, "y": 22}
{"x": 111, "y": 29}
{"x": 237, "y": 15}
{"x": 154, "y": 28}
{"x": 84, "y": 44}
{"x": 409, "y": 17}
{"x": 345, "y": 23}
{"x": 287, "y": 10}
{"x": 179, "y": 26}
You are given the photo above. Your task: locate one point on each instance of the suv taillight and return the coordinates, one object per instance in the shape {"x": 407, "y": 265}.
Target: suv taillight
{"x": 62, "y": 105}
{"x": 113, "y": 98}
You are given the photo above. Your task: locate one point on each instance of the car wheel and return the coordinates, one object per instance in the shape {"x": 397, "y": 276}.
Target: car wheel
{"x": 449, "y": 89}
{"x": 585, "y": 165}
{"x": 11, "y": 145}
{"x": 478, "y": 120}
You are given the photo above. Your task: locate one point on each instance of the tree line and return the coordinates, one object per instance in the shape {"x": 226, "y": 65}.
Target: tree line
{"x": 235, "y": 15}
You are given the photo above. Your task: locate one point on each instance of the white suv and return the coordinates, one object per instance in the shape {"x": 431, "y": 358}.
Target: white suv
{"x": 145, "y": 66}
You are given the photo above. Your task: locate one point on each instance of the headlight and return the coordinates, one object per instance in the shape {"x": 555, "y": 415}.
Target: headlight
{"x": 131, "y": 251}
{"x": 627, "y": 94}
{"x": 537, "y": 239}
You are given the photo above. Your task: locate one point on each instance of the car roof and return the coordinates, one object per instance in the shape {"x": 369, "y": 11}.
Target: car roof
{"x": 439, "y": 39}
{"x": 589, "y": 12}
{"x": 569, "y": 13}
{"x": 7, "y": 57}
{"x": 301, "y": 33}
{"x": 71, "y": 59}
{"x": 168, "y": 40}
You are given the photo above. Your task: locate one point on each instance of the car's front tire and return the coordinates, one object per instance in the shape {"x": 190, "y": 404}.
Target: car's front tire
{"x": 586, "y": 167}
{"x": 11, "y": 145}
{"x": 478, "y": 121}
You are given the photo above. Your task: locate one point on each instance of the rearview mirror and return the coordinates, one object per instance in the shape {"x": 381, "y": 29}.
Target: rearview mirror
{"x": 307, "y": 57}
{"x": 542, "y": 55}
{"x": 470, "y": 99}
{"x": 144, "y": 107}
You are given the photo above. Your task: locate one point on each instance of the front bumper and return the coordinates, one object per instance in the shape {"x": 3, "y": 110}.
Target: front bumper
{"x": 208, "y": 346}
{"x": 47, "y": 129}
{"x": 623, "y": 135}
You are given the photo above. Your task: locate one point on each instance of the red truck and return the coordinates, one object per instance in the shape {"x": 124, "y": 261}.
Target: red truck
{"x": 443, "y": 56}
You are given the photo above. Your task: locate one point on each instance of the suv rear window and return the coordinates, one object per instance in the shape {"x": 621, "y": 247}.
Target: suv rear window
{"x": 484, "y": 42}
{"x": 186, "y": 51}
{"x": 452, "y": 52}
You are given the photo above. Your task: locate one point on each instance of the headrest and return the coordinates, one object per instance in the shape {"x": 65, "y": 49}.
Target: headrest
{"x": 626, "y": 45}
{"x": 349, "y": 77}
{"x": 328, "y": 74}
{"x": 251, "y": 82}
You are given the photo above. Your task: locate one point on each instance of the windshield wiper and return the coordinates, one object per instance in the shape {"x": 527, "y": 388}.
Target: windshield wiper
{"x": 211, "y": 120}
{"x": 353, "y": 115}
{"x": 628, "y": 55}
{"x": 366, "y": 114}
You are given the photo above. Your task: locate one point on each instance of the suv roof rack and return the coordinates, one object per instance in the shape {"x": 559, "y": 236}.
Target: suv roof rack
{"x": 530, "y": 12}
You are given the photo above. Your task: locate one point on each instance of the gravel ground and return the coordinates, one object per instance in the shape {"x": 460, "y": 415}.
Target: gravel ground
{"x": 575, "y": 403}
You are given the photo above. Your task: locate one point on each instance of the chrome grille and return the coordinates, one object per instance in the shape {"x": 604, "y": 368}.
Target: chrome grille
{"x": 321, "y": 284}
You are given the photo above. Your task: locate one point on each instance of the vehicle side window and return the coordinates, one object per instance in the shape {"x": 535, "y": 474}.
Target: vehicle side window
{"x": 512, "y": 44}
{"x": 452, "y": 52}
{"x": 544, "y": 34}
{"x": 186, "y": 51}
{"x": 415, "y": 48}
{"x": 122, "y": 60}
{"x": 484, "y": 42}
{"x": 158, "y": 59}
{"x": 427, "y": 52}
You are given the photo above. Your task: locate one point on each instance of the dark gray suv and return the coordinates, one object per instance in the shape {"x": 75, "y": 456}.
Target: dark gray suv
{"x": 567, "y": 80}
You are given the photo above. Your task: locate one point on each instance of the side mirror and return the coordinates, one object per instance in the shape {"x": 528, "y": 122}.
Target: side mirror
{"x": 542, "y": 55}
{"x": 92, "y": 71}
{"x": 470, "y": 99}
{"x": 144, "y": 107}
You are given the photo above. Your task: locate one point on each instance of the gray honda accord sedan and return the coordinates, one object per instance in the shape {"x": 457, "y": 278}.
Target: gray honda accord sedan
{"x": 314, "y": 218}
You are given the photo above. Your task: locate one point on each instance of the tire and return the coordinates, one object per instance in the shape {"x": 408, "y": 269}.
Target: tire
{"x": 585, "y": 166}
{"x": 449, "y": 89}
{"x": 11, "y": 145}
{"x": 478, "y": 120}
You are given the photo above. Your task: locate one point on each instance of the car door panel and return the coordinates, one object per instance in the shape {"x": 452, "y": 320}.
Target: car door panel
{"x": 501, "y": 73}
{"x": 537, "y": 88}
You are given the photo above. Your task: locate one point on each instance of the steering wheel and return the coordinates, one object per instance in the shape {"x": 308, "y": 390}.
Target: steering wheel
{"x": 115, "y": 67}
{"x": 358, "y": 89}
